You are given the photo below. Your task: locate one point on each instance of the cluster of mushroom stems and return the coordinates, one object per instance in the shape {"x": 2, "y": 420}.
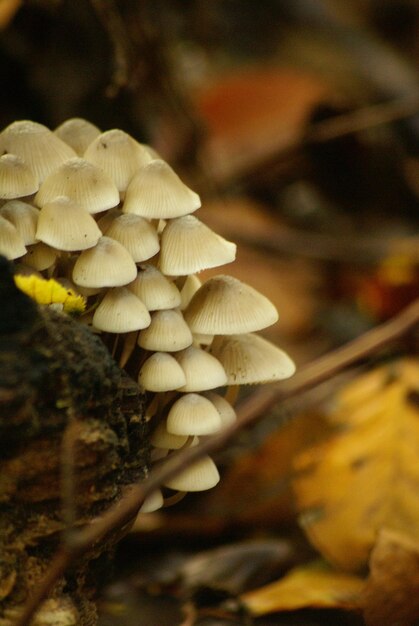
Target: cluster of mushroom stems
{"x": 106, "y": 217}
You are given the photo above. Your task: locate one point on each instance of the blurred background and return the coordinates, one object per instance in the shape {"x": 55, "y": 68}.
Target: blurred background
{"x": 298, "y": 123}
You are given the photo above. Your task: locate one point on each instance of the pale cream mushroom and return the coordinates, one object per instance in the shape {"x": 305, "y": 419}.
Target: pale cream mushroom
{"x": 202, "y": 370}
{"x": 193, "y": 414}
{"x": 77, "y": 133}
{"x": 160, "y": 373}
{"x": 108, "y": 264}
{"x": 200, "y": 476}
{"x": 121, "y": 311}
{"x": 153, "y": 502}
{"x": 189, "y": 287}
{"x": 41, "y": 150}
{"x": 137, "y": 235}
{"x": 24, "y": 217}
{"x": 189, "y": 246}
{"x": 161, "y": 438}
{"x": 225, "y": 410}
{"x": 249, "y": 359}
{"x": 12, "y": 245}
{"x": 16, "y": 178}
{"x": 118, "y": 154}
{"x": 40, "y": 256}
{"x": 168, "y": 332}
{"x": 154, "y": 289}
{"x": 83, "y": 182}
{"x": 224, "y": 306}
{"x": 156, "y": 192}
{"x": 65, "y": 225}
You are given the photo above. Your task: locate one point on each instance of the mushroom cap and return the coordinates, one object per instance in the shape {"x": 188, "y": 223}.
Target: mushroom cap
{"x": 153, "y": 502}
{"x": 118, "y": 154}
{"x": 224, "y": 408}
{"x": 224, "y": 306}
{"x": 161, "y": 438}
{"x": 249, "y": 359}
{"x": 108, "y": 264}
{"x": 202, "y": 370}
{"x": 41, "y": 150}
{"x": 168, "y": 332}
{"x": 156, "y": 191}
{"x": 189, "y": 246}
{"x": 12, "y": 245}
{"x": 161, "y": 372}
{"x": 121, "y": 311}
{"x": 40, "y": 256}
{"x": 16, "y": 178}
{"x": 189, "y": 288}
{"x": 77, "y": 133}
{"x": 83, "y": 182}
{"x": 199, "y": 476}
{"x": 137, "y": 235}
{"x": 154, "y": 289}
{"x": 24, "y": 218}
{"x": 65, "y": 225}
{"x": 192, "y": 414}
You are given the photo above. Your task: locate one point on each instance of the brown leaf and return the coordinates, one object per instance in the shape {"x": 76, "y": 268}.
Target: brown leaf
{"x": 315, "y": 585}
{"x": 391, "y": 593}
{"x": 366, "y": 477}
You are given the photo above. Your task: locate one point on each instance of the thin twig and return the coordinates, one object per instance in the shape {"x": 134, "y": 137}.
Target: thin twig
{"x": 250, "y": 410}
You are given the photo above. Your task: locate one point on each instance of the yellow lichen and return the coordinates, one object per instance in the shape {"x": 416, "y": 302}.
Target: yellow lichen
{"x": 50, "y": 292}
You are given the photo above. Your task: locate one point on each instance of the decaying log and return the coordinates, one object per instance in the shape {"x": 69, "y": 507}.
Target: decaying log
{"x": 72, "y": 434}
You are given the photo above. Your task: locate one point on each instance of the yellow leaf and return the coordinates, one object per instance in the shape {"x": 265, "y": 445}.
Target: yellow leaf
{"x": 366, "y": 476}
{"x": 315, "y": 585}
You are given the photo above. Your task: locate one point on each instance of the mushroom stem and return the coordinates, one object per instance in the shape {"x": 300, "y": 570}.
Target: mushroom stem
{"x": 171, "y": 500}
{"x": 232, "y": 394}
{"x": 130, "y": 341}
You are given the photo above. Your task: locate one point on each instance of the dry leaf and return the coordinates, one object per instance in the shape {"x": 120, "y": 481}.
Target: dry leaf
{"x": 253, "y": 113}
{"x": 391, "y": 593}
{"x": 315, "y": 585}
{"x": 366, "y": 477}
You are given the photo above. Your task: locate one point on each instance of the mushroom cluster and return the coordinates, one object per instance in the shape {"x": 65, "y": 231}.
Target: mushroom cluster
{"x": 105, "y": 216}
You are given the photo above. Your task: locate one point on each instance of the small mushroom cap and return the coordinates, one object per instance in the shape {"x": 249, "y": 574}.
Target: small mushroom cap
{"x": 224, "y": 408}
{"x": 249, "y": 359}
{"x": 12, "y": 245}
{"x": 24, "y": 218}
{"x": 65, "y": 225}
{"x": 118, "y": 154}
{"x": 188, "y": 246}
{"x": 161, "y": 438}
{"x": 121, "y": 311}
{"x": 161, "y": 372}
{"x": 41, "y": 150}
{"x": 40, "y": 256}
{"x": 156, "y": 191}
{"x": 137, "y": 235}
{"x": 168, "y": 332}
{"x": 192, "y": 414}
{"x": 200, "y": 476}
{"x": 202, "y": 370}
{"x": 16, "y": 178}
{"x": 155, "y": 290}
{"x": 81, "y": 181}
{"x": 108, "y": 264}
{"x": 188, "y": 290}
{"x": 77, "y": 133}
{"x": 153, "y": 502}
{"x": 224, "y": 306}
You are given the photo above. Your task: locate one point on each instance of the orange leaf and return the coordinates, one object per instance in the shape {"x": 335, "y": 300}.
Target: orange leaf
{"x": 311, "y": 586}
{"x": 366, "y": 476}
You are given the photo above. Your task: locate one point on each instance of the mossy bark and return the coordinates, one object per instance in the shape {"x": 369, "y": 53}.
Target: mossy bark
{"x": 71, "y": 422}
